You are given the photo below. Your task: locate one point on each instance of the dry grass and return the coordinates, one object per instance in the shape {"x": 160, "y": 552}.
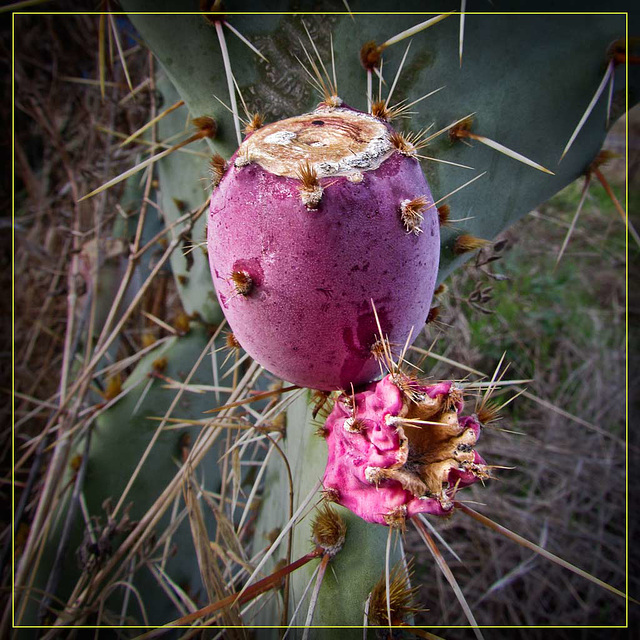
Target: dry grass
{"x": 60, "y": 154}
{"x": 566, "y": 491}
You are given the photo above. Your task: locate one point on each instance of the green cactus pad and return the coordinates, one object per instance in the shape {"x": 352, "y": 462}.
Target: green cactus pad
{"x": 184, "y": 186}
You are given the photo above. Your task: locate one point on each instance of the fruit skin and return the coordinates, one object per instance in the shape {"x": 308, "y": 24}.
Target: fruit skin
{"x": 384, "y": 472}
{"x": 308, "y": 317}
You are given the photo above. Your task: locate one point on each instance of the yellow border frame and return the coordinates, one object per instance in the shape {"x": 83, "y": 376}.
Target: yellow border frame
{"x": 345, "y": 13}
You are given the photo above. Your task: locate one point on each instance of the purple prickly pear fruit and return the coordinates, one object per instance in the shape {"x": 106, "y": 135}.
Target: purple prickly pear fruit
{"x": 313, "y": 219}
{"x": 398, "y": 448}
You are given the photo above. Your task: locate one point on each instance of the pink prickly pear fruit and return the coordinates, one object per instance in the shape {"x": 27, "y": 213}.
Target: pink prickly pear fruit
{"x": 398, "y": 448}
{"x": 315, "y": 217}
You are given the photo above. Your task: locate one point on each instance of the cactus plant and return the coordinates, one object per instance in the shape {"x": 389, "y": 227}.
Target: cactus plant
{"x": 529, "y": 105}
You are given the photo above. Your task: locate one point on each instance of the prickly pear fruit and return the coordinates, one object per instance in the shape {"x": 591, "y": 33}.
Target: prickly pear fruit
{"x": 399, "y": 448}
{"x": 314, "y": 218}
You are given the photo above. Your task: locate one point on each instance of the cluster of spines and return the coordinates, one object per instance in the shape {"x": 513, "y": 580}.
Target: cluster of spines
{"x": 310, "y": 188}
{"x": 255, "y": 122}
{"x": 399, "y": 600}
{"x": 410, "y": 214}
{"x": 242, "y": 282}
{"x": 328, "y": 529}
{"x": 217, "y": 168}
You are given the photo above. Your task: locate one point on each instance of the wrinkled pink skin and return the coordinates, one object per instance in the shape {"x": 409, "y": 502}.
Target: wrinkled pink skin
{"x": 378, "y": 446}
{"x": 309, "y": 318}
